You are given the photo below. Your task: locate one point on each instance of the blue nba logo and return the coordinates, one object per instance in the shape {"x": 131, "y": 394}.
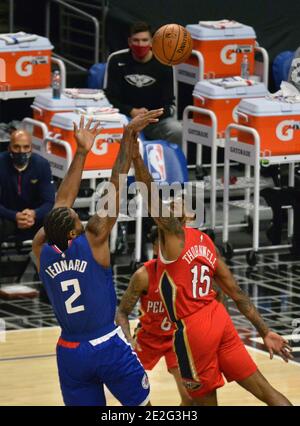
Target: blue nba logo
{"x": 156, "y": 162}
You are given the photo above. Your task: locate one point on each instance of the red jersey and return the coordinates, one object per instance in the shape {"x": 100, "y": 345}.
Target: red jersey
{"x": 186, "y": 284}
{"x": 154, "y": 318}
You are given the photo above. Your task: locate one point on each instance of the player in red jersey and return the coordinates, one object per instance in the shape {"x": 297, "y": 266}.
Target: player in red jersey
{"x": 206, "y": 342}
{"x": 153, "y": 337}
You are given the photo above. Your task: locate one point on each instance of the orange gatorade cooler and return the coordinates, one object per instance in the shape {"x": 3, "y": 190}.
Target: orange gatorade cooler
{"x": 45, "y": 106}
{"x": 223, "y": 49}
{"x": 25, "y": 62}
{"x": 277, "y": 122}
{"x": 222, "y": 96}
{"x": 106, "y": 146}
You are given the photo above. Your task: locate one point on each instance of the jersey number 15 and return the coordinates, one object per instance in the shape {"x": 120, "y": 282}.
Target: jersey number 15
{"x": 201, "y": 281}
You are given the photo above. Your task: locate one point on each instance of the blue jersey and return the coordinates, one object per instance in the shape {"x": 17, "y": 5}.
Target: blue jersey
{"x": 80, "y": 290}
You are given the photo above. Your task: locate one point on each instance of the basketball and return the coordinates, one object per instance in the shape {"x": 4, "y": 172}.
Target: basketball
{"x": 172, "y": 44}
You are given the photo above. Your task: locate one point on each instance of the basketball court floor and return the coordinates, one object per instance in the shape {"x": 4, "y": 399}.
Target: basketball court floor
{"x": 28, "y": 373}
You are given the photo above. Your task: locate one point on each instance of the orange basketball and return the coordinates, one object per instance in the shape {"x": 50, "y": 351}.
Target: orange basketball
{"x": 172, "y": 44}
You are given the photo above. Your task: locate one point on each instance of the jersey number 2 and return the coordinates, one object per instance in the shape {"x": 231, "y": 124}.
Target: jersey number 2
{"x": 75, "y": 283}
{"x": 201, "y": 285}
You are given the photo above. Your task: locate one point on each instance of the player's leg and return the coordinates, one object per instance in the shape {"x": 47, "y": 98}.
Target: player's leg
{"x": 78, "y": 384}
{"x": 172, "y": 366}
{"x": 258, "y": 385}
{"x": 122, "y": 372}
{"x": 210, "y": 399}
{"x": 196, "y": 342}
{"x": 186, "y": 400}
{"x": 237, "y": 365}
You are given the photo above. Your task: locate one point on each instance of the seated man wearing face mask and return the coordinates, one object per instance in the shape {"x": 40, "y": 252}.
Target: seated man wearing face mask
{"x": 137, "y": 83}
{"x": 26, "y": 189}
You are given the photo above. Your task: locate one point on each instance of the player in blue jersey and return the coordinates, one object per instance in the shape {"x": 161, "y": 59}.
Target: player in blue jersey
{"x": 74, "y": 266}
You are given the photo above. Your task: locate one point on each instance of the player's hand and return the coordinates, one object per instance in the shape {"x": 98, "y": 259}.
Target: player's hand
{"x": 277, "y": 345}
{"x": 142, "y": 120}
{"x": 85, "y": 135}
{"x": 136, "y": 111}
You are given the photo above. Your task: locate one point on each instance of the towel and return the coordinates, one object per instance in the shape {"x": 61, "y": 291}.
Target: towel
{"x": 221, "y": 25}
{"x": 287, "y": 93}
{"x": 17, "y": 38}
{"x": 230, "y": 82}
{"x": 101, "y": 114}
{"x": 96, "y": 95}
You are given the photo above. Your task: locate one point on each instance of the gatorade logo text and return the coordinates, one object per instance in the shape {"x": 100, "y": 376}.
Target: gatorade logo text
{"x": 102, "y": 142}
{"x": 24, "y": 65}
{"x": 229, "y": 52}
{"x": 285, "y": 130}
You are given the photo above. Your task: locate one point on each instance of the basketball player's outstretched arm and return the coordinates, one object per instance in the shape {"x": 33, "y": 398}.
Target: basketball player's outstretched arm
{"x": 138, "y": 286}
{"x": 100, "y": 225}
{"x": 273, "y": 342}
{"x": 170, "y": 229}
{"x": 68, "y": 190}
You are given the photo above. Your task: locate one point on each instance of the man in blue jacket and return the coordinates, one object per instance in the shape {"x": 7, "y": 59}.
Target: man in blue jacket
{"x": 26, "y": 189}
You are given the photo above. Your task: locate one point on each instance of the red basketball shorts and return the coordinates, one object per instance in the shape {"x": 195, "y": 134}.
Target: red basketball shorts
{"x": 207, "y": 347}
{"x": 151, "y": 348}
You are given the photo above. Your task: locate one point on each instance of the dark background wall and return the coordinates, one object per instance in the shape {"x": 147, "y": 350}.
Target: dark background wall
{"x": 276, "y": 22}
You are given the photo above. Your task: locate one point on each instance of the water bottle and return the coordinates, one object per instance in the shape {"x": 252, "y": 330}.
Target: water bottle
{"x": 245, "y": 67}
{"x": 56, "y": 85}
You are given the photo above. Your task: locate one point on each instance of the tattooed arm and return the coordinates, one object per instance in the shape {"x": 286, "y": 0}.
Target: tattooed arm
{"x": 100, "y": 225}
{"x": 227, "y": 282}
{"x": 138, "y": 285}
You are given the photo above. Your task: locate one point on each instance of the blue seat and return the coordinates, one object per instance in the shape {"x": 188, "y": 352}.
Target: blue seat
{"x": 96, "y": 76}
{"x": 281, "y": 66}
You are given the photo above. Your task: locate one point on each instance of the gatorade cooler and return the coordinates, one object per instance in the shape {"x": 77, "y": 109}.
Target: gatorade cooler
{"x": 223, "y": 49}
{"x": 106, "y": 146}
{"x": 278, "y": 125}
{"x": 222, "y": 101}
{"x": 45, "y": 106}
{"x": 25, "y": 65}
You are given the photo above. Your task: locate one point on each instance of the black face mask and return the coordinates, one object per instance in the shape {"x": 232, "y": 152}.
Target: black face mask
{"x": 20, "y": 159}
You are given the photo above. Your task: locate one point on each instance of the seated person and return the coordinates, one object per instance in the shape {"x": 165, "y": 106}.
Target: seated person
{"x": 137, "y": 82}
{"x": 26, "y": 189}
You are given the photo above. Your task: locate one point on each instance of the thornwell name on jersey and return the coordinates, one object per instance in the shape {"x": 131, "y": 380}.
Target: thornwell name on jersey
{"x": 200, "y": 251}
{"x": 66, "y": 265}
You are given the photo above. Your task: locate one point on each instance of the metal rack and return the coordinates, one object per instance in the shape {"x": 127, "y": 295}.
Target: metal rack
{"x": 203, "y": 135}
{"x": 250, "y": 156}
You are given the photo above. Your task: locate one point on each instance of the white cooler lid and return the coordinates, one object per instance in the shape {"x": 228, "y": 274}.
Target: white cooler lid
{"x": 265, "y": 107}
{"x": 209, "y": 90}
{"x": 200, "y": 32}
{"x": 64, "y": 120}
{"x": 41, "y": 43}
{"x": 46, "y": 101}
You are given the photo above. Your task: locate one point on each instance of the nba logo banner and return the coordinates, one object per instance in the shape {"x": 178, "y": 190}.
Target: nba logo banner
{"x": 156, "y": 162}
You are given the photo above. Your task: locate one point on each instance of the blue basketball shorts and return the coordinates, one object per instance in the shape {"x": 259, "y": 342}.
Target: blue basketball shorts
{"x": 85, "y": 367}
